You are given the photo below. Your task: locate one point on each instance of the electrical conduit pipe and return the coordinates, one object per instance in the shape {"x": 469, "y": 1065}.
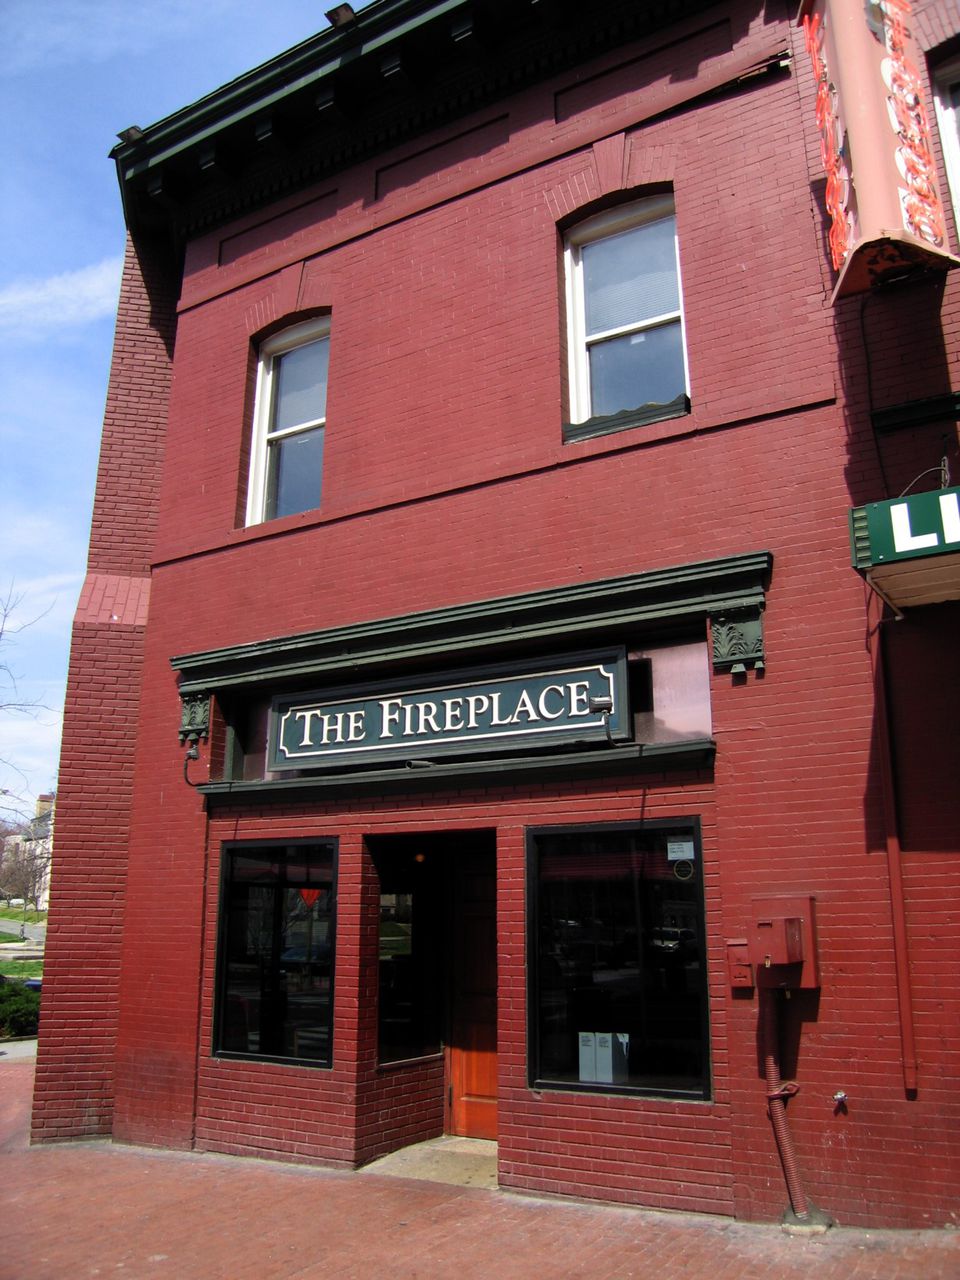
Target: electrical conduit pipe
{"x": 777, "y": 1094}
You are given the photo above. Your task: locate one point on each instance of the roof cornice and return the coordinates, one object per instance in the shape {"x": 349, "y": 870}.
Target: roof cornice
{"x": 400, "y": 68}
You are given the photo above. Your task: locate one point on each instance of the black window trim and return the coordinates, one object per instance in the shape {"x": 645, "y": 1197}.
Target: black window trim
{"x": 227, "y": 849}
{"x": 689, "y": 822}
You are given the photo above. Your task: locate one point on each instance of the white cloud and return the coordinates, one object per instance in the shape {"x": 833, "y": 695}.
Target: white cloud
{"x": 37, "y": 537}
{"x": 69, "y": 32}
{"x": 41, "y": 605}
{"x": 52, "y": 303}
{"x": 29, "y": 754}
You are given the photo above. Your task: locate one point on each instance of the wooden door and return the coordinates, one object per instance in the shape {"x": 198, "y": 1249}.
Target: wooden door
{"x": 472, "y": 1043}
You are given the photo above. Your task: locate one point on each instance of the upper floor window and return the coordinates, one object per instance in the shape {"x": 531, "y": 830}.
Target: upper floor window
{"x": 626, "y": 343}
{"x": 291, "y": 409}
{"x": 947, "y": 93}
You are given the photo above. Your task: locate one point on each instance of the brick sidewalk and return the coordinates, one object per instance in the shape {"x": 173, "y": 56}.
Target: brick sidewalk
{"x": 95, "y": 1209}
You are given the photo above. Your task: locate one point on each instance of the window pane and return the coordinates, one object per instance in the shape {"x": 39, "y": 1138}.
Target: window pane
{"x": 295, "y": 465}
{"x": 679, "y": 686}
{"x": 301, "y": 394}
{"x": 411, "y": 970}
{"x": 276, "y": 990}
{"x": 630, "y": 277}
{"x": 620, "y": 993}
{"x": 637, "y": 369}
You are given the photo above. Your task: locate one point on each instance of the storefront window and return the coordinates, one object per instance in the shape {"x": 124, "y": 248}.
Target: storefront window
{"x": 618, "y": 996}
{"x": 275, "y": 996}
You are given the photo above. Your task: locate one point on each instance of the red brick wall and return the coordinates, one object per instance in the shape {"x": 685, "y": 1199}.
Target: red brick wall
{"x": 75, "y": 1067}
{"x": 447, "y": 482}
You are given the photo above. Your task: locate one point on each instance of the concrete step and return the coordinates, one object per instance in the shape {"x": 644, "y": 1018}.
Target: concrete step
{"x": 459, "y": 1162}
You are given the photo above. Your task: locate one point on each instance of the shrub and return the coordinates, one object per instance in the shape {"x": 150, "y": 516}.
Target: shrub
{"x": 19, "y": 1009}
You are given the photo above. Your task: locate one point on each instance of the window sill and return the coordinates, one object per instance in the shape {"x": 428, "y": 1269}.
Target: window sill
{"x": 697, "y": 753}
{"x": 584, "y": 1089}
{"x": 623, "y": 421}
{"x": 275, "y": 1060}
{"x": 401, "y": 1063}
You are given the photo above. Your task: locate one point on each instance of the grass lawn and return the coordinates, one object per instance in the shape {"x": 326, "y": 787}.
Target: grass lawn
{"x": 21, "y": 968}
{"x": 16, "y": 913}
{"x": 9, "y": 937}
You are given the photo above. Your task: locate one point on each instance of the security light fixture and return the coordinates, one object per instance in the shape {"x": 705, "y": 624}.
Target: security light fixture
{"x": 341, "y": 15}
{"x": 602, "y": 705}
{"x": 133, "y": 133}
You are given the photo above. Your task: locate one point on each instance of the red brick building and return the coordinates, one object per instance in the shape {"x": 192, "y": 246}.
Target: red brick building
{"x": 476, "y": 722}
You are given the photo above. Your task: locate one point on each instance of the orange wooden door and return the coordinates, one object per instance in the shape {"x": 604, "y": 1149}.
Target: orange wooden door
{"x": 472, "y": 1046}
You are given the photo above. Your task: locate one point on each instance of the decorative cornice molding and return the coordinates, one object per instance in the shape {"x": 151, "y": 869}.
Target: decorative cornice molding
{"x": 730, "y": 589}
{"x": 333, "y": 100}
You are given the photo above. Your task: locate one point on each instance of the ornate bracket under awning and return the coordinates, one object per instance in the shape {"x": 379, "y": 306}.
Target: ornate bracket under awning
{"x": 908, "y": 549}
{"x": 194, "y": 717}
{"x": 738, "y": 640}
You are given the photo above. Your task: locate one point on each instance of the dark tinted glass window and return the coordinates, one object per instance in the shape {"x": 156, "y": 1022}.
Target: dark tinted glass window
{"x": 275, "y": 997}
{"x": 618, "y": 998}
{"x": 411, "y": 965}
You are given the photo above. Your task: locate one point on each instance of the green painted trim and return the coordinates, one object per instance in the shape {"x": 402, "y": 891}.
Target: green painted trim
{"x": 167, "y": 187}
{"x": 377, "y": 27}
{"x": 623, "y": 421}
{"x": 556, "y": 616}
{"x": 927, "y": 523}
{"x": 630, "y": 758}
{"x": 737, "y": 636}
{"x": 859, "y": 539}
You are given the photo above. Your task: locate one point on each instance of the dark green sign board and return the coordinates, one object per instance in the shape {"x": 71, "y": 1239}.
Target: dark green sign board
{"x": 919, "y": 525}
{"x": 493, "y": 709}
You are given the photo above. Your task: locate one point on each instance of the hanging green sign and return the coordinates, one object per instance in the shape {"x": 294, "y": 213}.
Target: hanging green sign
{"x": 909, "y": 528}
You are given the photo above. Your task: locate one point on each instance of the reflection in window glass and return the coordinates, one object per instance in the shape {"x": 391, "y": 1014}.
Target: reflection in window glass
{"x": 652, "y": 359}
{"x": 619, "y": 990}
{"x": 293, "y": 475}
{"x": 275, "y": 996}
{"x": 674, "y": 706}
{"x": 630, "y": 277}
{"x": 410, "y": 981}
{"x": 301, "y": 385}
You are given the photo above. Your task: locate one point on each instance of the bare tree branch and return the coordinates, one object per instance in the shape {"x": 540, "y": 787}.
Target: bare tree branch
{"x": 13, "y": 804}
{"x": 10, "y": 699}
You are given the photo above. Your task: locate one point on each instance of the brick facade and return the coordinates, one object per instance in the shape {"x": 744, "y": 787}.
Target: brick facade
{"x": 446, "y": 482}
{"x": 76, "y": 1064}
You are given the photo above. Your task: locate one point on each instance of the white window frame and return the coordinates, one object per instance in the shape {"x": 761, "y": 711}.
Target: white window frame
{"x": 946, "y": 78}
{"x": 600, "y": 227}
{"x": 263, "y": 434}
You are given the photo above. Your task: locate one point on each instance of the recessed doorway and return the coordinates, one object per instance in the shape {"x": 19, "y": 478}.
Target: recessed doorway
{"x": 437, "y": 990}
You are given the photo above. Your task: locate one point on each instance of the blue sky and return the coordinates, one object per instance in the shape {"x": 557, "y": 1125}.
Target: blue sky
{"x": 73, "y": 73}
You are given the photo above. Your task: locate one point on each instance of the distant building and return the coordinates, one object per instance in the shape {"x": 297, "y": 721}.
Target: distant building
{"x": 479, "y": 718}
{"x": 27, "y": 854}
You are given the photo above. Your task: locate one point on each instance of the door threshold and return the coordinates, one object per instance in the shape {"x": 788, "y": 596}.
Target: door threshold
{"x": 459, "y": 1162}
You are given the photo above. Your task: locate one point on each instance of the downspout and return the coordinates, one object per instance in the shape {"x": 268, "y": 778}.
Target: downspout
{"x": 777, "y": 1094}
{"x": 898, "y": 910}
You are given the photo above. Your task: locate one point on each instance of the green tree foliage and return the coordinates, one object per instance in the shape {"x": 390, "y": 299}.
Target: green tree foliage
{"x": 19, "y": 1009}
